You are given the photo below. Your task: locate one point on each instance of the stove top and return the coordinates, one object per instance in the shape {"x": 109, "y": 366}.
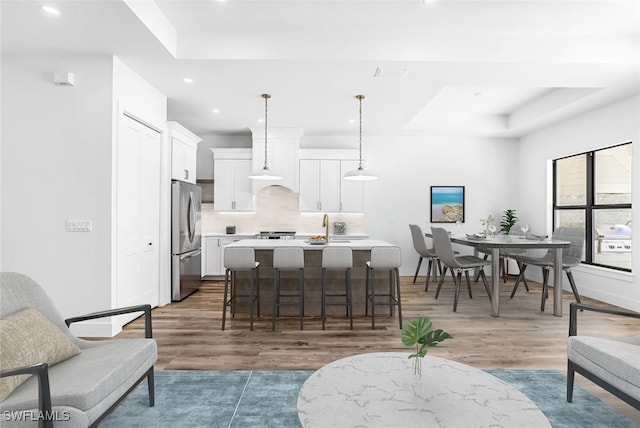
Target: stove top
{"x": 276, "y": 235}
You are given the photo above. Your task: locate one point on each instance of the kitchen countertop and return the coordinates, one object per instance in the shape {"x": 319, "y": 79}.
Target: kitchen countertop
{"x": 303, "y": 235}
{"x": 270, "y": 244}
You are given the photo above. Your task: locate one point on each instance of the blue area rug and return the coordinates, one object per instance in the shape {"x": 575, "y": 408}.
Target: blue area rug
{"x": 246, "y": 399}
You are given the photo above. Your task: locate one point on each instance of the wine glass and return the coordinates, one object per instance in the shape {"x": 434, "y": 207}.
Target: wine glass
{"x": 492, "y": 228}
{"x": 524, "y": 227}
{"x": 459, "y": 226}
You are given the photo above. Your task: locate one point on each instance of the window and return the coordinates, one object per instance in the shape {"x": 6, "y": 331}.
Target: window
{"x": 593, "y": 190}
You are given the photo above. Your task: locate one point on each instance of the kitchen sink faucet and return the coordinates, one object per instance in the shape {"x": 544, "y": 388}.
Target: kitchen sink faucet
{"x": 325, "y": 224}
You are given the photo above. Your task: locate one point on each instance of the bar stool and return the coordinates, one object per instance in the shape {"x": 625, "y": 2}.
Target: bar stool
{"x": 384, "y": 258}
{"x": 240, "y": 259}
{"x": 337, "y": 258}
{"x": 287, "y": 258}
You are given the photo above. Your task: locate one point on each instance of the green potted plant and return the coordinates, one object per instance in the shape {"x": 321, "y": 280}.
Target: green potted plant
{"x": 420, "y": 333}
{"x": 509, "y": 218}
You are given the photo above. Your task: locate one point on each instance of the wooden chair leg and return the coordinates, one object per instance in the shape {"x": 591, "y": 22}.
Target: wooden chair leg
{"x": 456, "y": 279}
{"x": 466, "y": 274}
{"x": 426, "y": 285}
{"x": 545, "y": 287}
{"x": 520, "y": 277}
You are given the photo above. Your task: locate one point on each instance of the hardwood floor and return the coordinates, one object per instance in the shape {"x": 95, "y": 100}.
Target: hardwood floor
{"x": 189, "y": 335}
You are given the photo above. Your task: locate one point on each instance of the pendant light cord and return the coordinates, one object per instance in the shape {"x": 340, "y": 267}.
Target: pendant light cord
{"x": 360, "y": 98}
{"x": 266, "y": 98}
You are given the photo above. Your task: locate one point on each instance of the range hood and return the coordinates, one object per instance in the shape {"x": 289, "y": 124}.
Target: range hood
{"x": 283, "y": 151}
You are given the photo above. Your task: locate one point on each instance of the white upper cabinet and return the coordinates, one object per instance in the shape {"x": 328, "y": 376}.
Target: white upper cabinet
{"x": 184, "y": 152}
{"x": 322, "y": 188}
{"x": 283, "y": 147}
{"x": 231, "y": 183}
{"x": 319, "y": 185}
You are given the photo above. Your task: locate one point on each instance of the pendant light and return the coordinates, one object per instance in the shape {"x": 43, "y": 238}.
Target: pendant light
{"x": 265, "y": 173}
{"x": 360, "y": 174}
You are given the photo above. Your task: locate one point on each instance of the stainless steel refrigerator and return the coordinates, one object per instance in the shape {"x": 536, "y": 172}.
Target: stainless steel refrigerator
{"x": 186, "y": 252}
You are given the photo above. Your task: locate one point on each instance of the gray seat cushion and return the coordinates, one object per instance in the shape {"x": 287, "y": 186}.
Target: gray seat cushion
{"x": 614, "y": 360}
{"x": 83, "y": 381}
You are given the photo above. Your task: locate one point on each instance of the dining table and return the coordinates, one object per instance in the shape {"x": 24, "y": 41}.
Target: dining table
{"x": 500, "y": 242}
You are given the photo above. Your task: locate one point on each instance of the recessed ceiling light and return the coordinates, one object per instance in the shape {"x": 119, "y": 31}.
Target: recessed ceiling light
{"x": 352, "y": 121}
{"x": 215, "y": 111}
{"x": 260, "y": 120}
{"x": 50, "y": 10}
{"x": 188, "y": 80}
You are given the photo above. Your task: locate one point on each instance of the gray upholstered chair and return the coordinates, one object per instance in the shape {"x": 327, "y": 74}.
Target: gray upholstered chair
{"x": 78, "y": 391}
{"x": 457, "y": 264}
{"x": 420, "y": 246}
{"x": 613, "y": 363}
{"x": 571, "y": 257}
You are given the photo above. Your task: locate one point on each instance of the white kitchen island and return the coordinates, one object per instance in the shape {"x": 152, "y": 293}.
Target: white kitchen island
{"x": 312, "y": 274}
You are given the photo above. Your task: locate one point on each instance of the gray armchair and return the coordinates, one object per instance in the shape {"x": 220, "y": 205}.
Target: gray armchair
{"x": 613, "y": 363}
{"x": 81, "y": 390}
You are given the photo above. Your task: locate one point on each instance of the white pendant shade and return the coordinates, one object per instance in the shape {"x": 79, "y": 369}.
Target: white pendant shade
{"x": 360, "y": 175}
{"x": 264, "y": 174}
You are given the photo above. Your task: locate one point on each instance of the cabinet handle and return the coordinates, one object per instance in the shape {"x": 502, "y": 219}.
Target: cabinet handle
{"x": 340, "y": 205}
{"x": 233, "y": 205}
{"x": 186, "y": 174}
{"x": 319, "y": 205}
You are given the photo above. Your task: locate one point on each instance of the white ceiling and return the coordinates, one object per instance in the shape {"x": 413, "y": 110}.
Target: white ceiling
{"x": 499, "y": 68}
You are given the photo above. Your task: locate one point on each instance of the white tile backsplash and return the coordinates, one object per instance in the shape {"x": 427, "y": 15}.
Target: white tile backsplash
{"x": 277, "y": 208}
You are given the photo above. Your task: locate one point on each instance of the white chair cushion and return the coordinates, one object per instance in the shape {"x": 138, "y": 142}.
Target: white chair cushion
{"x": 615, "y": 360}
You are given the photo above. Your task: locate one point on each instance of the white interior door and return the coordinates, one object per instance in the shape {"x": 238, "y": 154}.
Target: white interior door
{"x": 138, "y": 214}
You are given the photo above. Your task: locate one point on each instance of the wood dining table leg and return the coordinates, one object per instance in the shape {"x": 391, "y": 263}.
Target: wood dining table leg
{"x": 495, "y": 282}
{"x": 557, "y": 283}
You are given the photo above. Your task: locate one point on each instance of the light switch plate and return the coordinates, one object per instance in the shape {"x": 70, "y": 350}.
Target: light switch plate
{"x": 79, "y": 226}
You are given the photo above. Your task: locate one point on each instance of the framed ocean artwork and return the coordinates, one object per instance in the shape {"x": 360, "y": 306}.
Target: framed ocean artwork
{"x": 447, "y": 204}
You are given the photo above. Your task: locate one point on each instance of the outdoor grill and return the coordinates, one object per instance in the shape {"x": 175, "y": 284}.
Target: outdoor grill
{"x": 613, "y": 238}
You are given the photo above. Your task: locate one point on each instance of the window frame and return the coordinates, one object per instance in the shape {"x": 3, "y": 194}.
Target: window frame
{"x": 590, "y": 206}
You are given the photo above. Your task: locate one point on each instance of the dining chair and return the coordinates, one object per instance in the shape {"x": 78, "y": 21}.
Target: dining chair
{"x": 515, "y": 253}
{"x": 457, "y": 264}
{"x": 420, "y": 245}
{"x": 571, "y": 257}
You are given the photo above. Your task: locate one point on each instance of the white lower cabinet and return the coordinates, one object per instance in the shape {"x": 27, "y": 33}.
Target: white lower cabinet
{"x": 213, "y": 252}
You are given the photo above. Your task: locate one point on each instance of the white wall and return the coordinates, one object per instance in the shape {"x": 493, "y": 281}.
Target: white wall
{"x": 613, "y": 124}
{"x": 56, "y": 165}
{"x": 409, "y": 166}
{"x": 204, "y": 167}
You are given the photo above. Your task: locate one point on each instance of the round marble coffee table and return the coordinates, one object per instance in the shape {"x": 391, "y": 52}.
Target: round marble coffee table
{"x": 381, "y": 390}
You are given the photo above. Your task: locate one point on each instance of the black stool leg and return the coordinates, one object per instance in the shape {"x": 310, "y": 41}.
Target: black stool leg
{"x": 276, "y": 298}
{"x": 350, "y": 301}
{"x": 324, "y": 298}
{"x": 398, "y": 297}
{"x": 224, "y": 302}
{"x": 301, "y": 298}
{"x": 372, "y": 293}
{"x": 366, "y": 292}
